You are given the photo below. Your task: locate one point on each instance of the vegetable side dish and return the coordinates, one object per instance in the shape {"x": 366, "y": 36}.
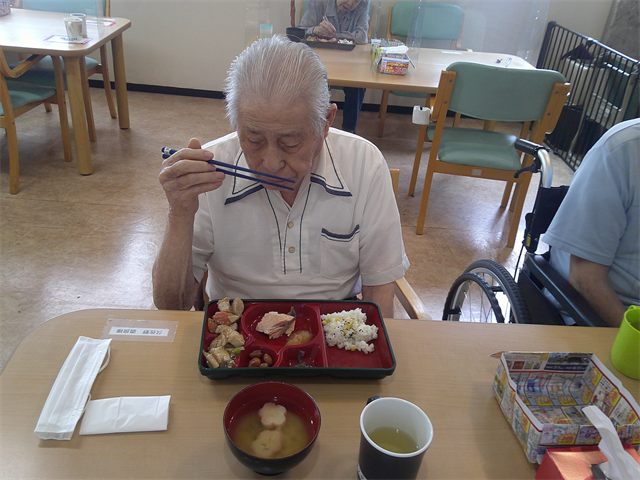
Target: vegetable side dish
{"x": 229, "y": 343}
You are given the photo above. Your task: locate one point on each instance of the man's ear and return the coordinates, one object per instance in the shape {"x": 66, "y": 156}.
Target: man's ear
{"x": 331, "y": 115}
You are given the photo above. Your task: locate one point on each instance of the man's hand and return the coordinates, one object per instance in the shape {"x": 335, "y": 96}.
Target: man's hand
{"x": 592, "y": 281}
{"x": 325, "y": 29}
{"x": 185, "y": 175}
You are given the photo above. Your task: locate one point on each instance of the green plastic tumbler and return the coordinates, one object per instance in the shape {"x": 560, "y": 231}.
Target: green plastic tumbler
{"x": 625, "y": 353}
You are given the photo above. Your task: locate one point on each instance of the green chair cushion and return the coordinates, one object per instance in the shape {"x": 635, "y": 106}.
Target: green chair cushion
{"x": 42, "y": 72}
{"x": 477, "y": 148}
{"x": 22, "y": 93}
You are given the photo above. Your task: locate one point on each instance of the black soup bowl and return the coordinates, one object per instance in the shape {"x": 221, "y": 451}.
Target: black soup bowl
{"x": 296, "y": 34}
{"x": 251, "y": 399}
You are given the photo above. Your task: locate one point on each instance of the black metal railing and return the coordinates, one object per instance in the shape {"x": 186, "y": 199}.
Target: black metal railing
{"x": 604, "y": 90}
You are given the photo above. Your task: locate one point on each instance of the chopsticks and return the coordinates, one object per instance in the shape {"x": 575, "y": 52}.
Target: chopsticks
{"x": 167, "y": 152}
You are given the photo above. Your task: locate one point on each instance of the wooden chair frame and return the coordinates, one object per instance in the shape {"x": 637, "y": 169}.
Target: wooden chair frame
{"x": 7, "y": 120}
{"x": 101, "y": 69}
{"x": 535, "y": 133}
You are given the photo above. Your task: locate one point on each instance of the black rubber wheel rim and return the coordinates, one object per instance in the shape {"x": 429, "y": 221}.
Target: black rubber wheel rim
{"x": 512, "y": 304}
{"x": 470, "y": 299}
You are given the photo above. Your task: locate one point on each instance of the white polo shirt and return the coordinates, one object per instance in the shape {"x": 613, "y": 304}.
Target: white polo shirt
{"x": 342, "y": 231}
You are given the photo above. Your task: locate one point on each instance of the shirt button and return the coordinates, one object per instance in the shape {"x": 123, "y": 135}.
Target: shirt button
{"x": 292, "y": 249}
{"x": 290, "y": 224}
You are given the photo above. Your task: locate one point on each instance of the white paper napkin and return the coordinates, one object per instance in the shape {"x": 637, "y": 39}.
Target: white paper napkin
{"x": 126, "y": 414}
{"x": 619, "y": 465}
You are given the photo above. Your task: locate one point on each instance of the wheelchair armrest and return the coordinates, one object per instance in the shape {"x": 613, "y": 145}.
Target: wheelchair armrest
{"x": 569, "y": 298}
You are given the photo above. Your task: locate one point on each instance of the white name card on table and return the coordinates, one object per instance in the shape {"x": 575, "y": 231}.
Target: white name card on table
{"x": 65, "y": 39}
{"x": 139, "y": 330}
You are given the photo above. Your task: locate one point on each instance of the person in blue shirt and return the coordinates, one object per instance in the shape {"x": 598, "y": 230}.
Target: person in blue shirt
{"x": 348, "y": 19}
{"x": 595, "y": 234}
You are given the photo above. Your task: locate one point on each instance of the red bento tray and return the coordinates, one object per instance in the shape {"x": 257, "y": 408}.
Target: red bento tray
{"x": 324, "y": 360}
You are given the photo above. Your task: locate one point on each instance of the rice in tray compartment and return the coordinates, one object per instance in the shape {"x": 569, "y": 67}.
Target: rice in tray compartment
{"x": 348, "y": 330}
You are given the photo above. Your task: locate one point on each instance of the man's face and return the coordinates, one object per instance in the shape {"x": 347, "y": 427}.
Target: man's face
{"x": 278, "y": 139}
{"x": 347, "y": 5}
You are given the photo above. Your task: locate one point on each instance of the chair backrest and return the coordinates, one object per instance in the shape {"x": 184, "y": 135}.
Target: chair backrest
{"x": 501, "y": 94}
{"x": 70, "y": 6}
{"x": 440, "y": 21}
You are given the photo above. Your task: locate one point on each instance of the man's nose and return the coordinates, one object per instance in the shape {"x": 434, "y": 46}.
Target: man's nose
{"x": 272, "y": 160}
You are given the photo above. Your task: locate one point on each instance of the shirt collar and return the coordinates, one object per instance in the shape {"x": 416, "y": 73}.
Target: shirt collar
{"x": 324, "y": 172}
{"x": 327, "y": 174}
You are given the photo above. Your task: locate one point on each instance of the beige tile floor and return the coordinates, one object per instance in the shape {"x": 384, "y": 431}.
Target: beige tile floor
{"x": 69, "y": 242}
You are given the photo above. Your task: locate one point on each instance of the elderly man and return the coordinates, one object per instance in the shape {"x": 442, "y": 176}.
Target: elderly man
{"x": 348, "y": 18}
{"x": 595, "y": 234}
{"x": 335, "y": 235}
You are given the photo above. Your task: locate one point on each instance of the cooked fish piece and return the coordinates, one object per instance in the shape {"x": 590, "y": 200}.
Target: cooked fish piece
{"x": 275, "y": 324}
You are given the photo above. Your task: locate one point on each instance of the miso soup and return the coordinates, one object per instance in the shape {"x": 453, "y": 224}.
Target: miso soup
{"x": 393, "y": 440}
{"x": 295, "y": 435}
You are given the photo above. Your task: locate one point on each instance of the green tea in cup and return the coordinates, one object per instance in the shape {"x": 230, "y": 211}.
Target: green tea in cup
{"x": 394, "y": 436}
{"x": 393, "y": 439}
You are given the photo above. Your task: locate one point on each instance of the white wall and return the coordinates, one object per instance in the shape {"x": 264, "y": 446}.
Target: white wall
{"x": 587, "y": 17}
{"x": 191, "y": 43}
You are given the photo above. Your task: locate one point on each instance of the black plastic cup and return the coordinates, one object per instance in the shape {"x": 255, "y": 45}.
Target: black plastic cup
{"x": 374, "y": 462}
{"x": 295, "y": 34}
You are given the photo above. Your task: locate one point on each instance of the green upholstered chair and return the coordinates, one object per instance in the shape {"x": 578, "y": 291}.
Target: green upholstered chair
{"x": 43, "y": 74}
{"x": 18, "y": 97}
{"x": 441, "y": 28}
{"x": 531, "y": 98}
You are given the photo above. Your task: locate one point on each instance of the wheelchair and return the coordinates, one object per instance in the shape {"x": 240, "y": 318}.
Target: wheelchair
{"x": 487, "y": 292}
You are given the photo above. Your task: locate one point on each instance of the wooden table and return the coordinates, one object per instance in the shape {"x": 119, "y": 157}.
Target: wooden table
{"x": 27, "y": 31}
{"x": 353, "y": 68}
{"x": 443, "y": 367}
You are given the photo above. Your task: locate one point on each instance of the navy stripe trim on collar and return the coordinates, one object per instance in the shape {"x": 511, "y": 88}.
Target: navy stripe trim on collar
{"x": 246, "y": 193}
{"x": 321, "y": 181}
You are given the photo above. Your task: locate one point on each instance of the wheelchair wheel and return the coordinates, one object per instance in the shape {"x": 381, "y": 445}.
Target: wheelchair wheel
{"x": 471, "y": 299}
{"x": 512, "y": 304}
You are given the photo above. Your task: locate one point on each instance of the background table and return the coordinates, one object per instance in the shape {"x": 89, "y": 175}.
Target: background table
{"x": 27, "y": 31}
{"x": 443, "y": 367}
{"x": 352, "y": 68}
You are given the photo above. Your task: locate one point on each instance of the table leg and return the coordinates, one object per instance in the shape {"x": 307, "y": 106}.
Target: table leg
{"x": 117, "y": 49}
{"x": 76, "y": 104}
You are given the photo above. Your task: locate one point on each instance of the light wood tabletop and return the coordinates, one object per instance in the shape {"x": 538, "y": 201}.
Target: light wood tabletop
{"x": 443, "y": 367}
{"x": 352, "y": 68}
{"x": 38, "y": 32}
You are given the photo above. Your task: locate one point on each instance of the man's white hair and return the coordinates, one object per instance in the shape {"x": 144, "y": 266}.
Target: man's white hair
{"x": 279, "y": 70}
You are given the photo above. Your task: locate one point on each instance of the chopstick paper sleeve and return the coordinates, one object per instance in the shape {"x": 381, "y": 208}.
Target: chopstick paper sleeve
{"x": 126, "y": 414}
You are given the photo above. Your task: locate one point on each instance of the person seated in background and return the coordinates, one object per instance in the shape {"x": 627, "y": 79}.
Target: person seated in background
{"x": 348, "y": 18}
{"x": 336, "y": 235}
{"x": 595, "y": 234}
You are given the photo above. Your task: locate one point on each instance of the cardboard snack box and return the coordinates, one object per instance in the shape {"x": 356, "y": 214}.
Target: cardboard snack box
{"x": 394, "y": 64}
{"x": 542, "y": 394}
